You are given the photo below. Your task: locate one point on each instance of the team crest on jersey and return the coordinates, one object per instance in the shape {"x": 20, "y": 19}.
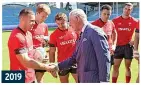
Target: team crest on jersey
{"x": 119, "y": 23}
{"x": 61, "y": 37}
{"x": 129, "y": 23}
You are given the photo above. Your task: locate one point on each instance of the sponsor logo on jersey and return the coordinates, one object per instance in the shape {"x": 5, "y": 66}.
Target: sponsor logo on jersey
{"x": 124, "y": 29}
{"x": 68, "y": 42}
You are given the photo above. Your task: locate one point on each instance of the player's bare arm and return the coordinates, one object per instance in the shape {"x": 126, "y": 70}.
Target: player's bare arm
{"x": 52, "y": 51}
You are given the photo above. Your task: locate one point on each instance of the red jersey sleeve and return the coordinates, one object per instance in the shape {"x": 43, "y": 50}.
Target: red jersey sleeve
{"x": 113, "y": 21}
{"x": 19, "y": 44}
{"x": 137, "y": 27}
{"x": 46, "y": 31}
{"x": 53, "y": 40}
{"x": 95, "y": 23}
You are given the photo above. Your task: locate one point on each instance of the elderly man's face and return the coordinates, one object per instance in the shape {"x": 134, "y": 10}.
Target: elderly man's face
{"x": 73, "y": 22}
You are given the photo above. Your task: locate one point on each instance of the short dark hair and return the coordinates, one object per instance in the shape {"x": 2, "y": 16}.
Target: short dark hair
{"x": 106, "y": 6}
{"x": 61, "y": 16}
{"x": 129, "y": 4}
{"x": 25, "y": 12}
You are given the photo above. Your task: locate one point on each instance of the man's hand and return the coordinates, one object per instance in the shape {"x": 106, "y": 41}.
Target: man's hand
{"x": 131, "y": 43}
{"x": 112, "y": 50}
{"x": 136, "y": 55}
{"x": 53, "y": 69}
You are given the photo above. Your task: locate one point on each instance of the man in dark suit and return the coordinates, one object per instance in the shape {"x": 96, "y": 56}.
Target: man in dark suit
{"x": 92, "y": 52}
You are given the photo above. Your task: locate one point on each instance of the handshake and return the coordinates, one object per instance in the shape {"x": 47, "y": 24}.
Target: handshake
{"x": 52, "y": 68}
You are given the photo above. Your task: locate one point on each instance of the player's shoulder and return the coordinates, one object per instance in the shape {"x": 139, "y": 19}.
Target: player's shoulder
{"x": 44, "y": 25}
{"x": 95, "y": 21}
{"x": 15, "y": 32}
{"x": 116, "y": 18}
{"x": 134, "y": 19}
{"x": 111, "y": 22}
{"x": 95, "y": 30}
{"x": 55, "y": 32}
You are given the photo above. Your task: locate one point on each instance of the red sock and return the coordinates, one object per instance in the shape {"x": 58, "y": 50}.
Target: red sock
{"x": 128, "y": 79}
{"x": 114, "y": 79}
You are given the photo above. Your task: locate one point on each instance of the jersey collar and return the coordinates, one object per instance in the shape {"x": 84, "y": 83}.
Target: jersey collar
{"x": 21, "y": 30}
{"x": 85, "y": 24}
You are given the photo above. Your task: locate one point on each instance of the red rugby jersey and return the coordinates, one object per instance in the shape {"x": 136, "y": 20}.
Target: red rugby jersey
{"x": 21, "y": 42}
{"x": 65, "y": 41}
{"x": 108, "y": 27}
{"x": 125, "y": 29}
{"x": 38, "y": 32}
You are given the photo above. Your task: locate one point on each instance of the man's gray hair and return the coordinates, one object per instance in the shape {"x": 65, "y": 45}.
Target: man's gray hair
{"x": 80, "y": 13}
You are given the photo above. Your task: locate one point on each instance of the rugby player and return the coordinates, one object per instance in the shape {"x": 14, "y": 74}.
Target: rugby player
{"x": 125, "y": 26}
{"x": 108, "y": 27}
{"x": 64, "y": 39}
{"x": 40, "y": 36}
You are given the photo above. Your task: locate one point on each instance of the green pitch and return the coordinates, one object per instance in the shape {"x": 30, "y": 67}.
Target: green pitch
{"x": 49, "y": 79}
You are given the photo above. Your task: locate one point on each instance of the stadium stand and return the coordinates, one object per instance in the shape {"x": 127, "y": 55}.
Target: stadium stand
{"x": 10, "y": 13}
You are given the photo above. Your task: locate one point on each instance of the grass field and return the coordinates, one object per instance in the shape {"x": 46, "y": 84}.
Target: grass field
{"x": 48, "y": 78}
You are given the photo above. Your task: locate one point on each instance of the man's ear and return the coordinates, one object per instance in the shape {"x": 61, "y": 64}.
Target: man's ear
{"x": 22, "y": 18}
{"x": 77, "y": 18}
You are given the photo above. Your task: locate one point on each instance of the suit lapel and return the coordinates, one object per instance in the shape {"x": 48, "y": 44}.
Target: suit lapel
{"x": 79, "y": 42}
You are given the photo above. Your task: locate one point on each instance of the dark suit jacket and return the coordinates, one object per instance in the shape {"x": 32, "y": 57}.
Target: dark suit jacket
{"x": 91, "y": 55}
